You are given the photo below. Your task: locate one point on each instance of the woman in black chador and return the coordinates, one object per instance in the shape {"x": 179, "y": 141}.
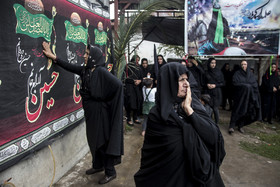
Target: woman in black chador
{"x": 102, "y": 99}
{"x": 182, "y": 146}
{"x": 133, "y": 91}
{"x": 227, "y": 89}
{"x": 269, "y": 87}
{"x": 246, "y": 99}
{"x": 214, "y": 80}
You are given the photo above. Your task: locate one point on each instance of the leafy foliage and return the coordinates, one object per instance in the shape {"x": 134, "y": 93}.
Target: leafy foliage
{"x": 128, "y": 29}
{"x": 176, "y": 49}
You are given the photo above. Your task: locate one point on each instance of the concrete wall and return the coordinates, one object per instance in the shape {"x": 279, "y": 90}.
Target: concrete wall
{"x": 38, "y": 169}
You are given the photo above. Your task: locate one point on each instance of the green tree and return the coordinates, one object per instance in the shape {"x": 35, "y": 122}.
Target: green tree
{"x": 175, "y": 49}
{"x": 127, "y": 31}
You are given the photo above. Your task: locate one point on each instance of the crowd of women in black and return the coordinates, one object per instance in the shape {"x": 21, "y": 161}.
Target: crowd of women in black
{"x": 183, "y": 146}
{"x": 234, "y": 89}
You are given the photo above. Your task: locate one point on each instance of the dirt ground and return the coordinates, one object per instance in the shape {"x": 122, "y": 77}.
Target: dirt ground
{"x": 239, "y": 169}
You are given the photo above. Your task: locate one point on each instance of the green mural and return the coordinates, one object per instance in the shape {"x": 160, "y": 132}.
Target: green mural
{"x": 76, "y": 34}
{"x": 100, "y": 37}
{"x": 35, "y": 26}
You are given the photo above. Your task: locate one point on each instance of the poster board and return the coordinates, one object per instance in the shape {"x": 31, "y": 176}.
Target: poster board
{"x": 232, "y": 28}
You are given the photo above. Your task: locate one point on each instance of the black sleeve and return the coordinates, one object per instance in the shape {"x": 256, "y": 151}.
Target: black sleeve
{"x": 204, "y": 127}
{"x": 200, "y": 68}
{"x": 73, "y": 68}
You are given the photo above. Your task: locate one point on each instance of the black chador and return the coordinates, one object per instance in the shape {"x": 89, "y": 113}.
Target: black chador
{"x": 214, "y": 76}
{"x": 269, "y": 83}
{"x": 246, "y": 99}
{"x": 133, "y": 92}
{"x": 179, "y": 150}
{"x": 102, "y": 99}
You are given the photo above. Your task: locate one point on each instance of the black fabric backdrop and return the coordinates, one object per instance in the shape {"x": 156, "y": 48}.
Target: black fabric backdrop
{"x": 164, "y": 30}
{"x": 39, "y": 99}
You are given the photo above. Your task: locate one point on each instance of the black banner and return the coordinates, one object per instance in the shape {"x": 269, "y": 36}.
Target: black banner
{"x": 38, "y": 98}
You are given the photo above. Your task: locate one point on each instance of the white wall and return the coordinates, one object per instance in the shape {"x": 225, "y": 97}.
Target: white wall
{"x": 146, "y": 50}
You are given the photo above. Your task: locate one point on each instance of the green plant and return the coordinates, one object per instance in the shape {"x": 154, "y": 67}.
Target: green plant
{"x": 176, "y": 49}
{"x": 128, "y": 29}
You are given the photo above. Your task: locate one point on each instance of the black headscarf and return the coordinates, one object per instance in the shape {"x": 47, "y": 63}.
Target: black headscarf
{"x": 214, "y": 75}
{"x": 167, "y": 87}
{"x": 163, "y": 61}
{"x": 95, "y": 57}
{"x": 244, "y": 77}
{"x": 95, "y": 60}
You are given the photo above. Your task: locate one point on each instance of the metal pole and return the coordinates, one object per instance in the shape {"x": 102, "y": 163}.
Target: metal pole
{"x": 116, "y": 16}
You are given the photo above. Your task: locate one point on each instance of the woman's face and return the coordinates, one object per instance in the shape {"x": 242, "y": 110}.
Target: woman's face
{"x": 183, "y": 84}
{"x": 190, "y": 63}
{"x": 160, "y": 60}
{"x": 213, "y": 64}
{"x": 227, "y": 67}
{"x": 137, "y": 60}
{"x": 244, "y": 65}
{"x": 273, "y": 68}
{"x": 86, "y": 55}
{"x": 184, "y": 63}
{"x": 144, "y": 64}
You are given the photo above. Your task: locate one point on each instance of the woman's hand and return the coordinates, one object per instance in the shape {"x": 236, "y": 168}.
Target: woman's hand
{"x": 47, "y": 51}
{"x": 186, "y": 104}
{"x": 211, "y": 86}
{"x": 137, "y": 82}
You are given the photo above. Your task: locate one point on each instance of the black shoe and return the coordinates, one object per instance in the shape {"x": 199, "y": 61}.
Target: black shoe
{"x": 107, "y": 179}
{"x": 93, "y": 171}
{"x": 269, "y": 122}
{"x": 137, "y": 121}
{"x": 230, "y": 130}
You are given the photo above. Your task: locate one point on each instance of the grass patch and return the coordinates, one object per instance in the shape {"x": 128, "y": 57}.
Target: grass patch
{"x": 128, "y": 128}
{"x": 269, "y": 146}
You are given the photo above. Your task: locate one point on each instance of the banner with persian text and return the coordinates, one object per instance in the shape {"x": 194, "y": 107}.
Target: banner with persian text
{"x": 235, "y": 28}
{"x": 38, "y": 99}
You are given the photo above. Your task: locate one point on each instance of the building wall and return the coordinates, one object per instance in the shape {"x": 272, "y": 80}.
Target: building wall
{"x": 38, "y": 169}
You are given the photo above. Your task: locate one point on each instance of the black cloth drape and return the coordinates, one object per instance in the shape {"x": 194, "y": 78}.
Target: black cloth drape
{"x": 179, "y": 150}
{"x": 161, "y": 30}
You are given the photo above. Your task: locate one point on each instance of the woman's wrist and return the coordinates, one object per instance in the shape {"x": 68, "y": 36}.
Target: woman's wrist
{"x": 53, "y": 57}
{"x": 188, "y": 110}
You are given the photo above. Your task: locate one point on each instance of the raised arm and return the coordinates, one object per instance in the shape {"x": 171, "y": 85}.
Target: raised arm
{"x": 65, "y": 65}
{"x": 202, "y": 124}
